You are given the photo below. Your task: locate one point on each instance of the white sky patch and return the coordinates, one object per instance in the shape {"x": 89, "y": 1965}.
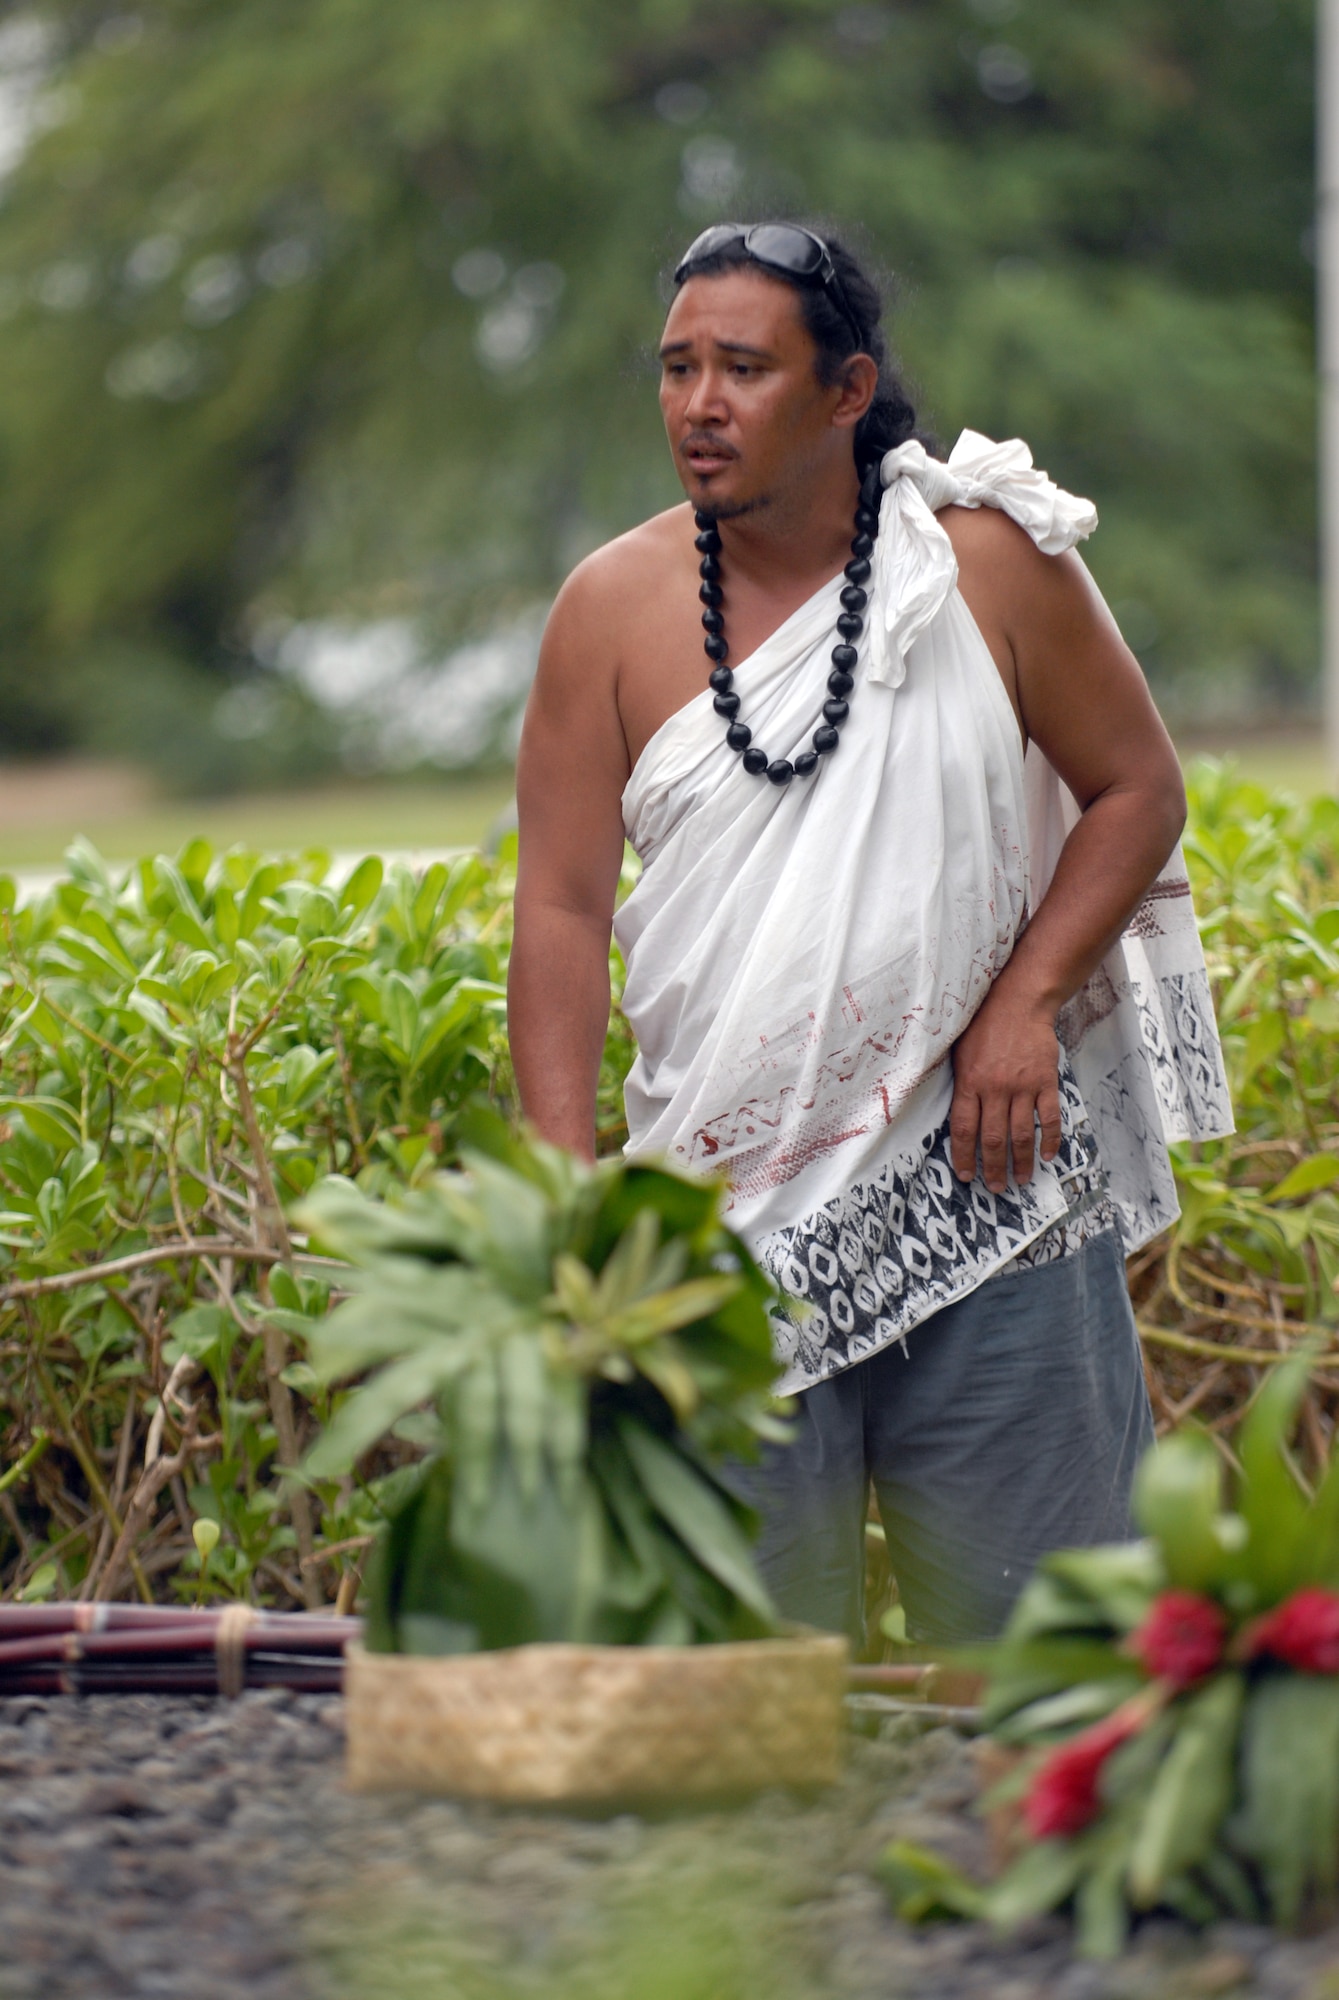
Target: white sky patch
{"x": 26, "y": 49}
{"x": 400, "y": 706}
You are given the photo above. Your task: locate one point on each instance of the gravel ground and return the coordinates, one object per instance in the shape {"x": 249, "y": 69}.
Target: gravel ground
{"x": 202, "y": 1850}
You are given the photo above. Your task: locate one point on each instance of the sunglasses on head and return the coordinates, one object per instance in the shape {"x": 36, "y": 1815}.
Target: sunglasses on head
{"x": 777, "y": 246}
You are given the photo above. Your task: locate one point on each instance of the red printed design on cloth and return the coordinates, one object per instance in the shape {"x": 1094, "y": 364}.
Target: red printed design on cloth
{"x": 1064, "y": 1795}
{"x": 1303, "y": 1632}
{"x": 1181, "y": 1640}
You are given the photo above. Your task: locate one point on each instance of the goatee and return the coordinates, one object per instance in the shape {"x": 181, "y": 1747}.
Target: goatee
{"x": 727, "y": 510}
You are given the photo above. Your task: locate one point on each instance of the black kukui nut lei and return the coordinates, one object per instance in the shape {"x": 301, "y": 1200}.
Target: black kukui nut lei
{"x": 738, "y": 735}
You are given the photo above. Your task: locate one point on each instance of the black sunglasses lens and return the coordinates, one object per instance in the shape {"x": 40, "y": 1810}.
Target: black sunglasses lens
{"x": 789, "y": 249}
{"x": 706, "y": 245}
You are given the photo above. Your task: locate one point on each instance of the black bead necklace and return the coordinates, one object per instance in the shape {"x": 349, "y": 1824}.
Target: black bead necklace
{"x": 841, "y": 679}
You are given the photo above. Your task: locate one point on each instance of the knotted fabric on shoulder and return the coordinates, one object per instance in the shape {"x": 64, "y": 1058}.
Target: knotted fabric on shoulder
{"x": 914, "y": 564}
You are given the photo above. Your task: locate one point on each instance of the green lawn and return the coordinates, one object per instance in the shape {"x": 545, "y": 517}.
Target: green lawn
{"x": 1294, "y": 762}
{"x": 353, "y": 815}
{"x": 360, "y": 814}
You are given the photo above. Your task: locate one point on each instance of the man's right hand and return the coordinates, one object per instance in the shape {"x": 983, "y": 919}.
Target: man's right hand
{"x": 1006, "y": 1069}
{"x": 570, "y": 775}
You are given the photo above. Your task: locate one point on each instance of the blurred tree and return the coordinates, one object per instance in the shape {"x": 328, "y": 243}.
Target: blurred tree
{"x": 329, "y": 306}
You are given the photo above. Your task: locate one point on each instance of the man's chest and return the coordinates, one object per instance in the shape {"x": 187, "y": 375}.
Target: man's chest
{"x": 661, "y": 665}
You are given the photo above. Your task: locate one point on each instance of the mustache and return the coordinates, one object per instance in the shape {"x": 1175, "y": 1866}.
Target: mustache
{"x": 704, "y": 441}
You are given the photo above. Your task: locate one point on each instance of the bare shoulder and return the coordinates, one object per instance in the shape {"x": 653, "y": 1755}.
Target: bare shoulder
{"x": 1017, "y": 594}
{"x": 995, "y": 554}
{"x": 623, "y": 574}
{"x": 611, "y": 612}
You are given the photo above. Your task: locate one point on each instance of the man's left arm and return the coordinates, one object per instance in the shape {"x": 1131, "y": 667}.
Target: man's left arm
{"x": 1081, "y": 697}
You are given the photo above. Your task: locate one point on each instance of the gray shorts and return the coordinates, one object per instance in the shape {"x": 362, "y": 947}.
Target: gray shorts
{"x": 1011, "y": 1425}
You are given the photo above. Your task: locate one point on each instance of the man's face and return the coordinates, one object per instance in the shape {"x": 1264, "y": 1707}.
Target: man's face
{"x": 745, "y": 413}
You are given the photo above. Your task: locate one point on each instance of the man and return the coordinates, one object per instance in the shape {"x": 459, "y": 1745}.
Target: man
{"x": 844, "y": 977}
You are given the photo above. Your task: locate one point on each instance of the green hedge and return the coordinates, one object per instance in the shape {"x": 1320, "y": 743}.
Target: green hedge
{"x": 1253, "y": 1263}
{"x": 184, "y": 1050}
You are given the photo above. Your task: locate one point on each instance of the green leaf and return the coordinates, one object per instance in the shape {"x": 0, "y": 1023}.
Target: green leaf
{"x": 1264, "y": 1038}
{"x": 284, "y": 1290}
{"x": 1269, "y": 1500}
{"x": 1119, "y": 1579}
{"x": 1088, "y": 1701}
{"x": 367, "y": 1414}
{"x": 1056, "y": 1602}
{"x": 922, "y": 1885}
{"x": 1101, "y": 1920}
{"x": 226, "y": 921}
{"x": 399, "y": 1304}
{"x": 524, "y": 1384}
{"x": 46, "y": 1118}
{"x": 1043, "y": 1877}
{"x": 1320, "y": 1547}
{"x": 362, "y": 885}
{"x": 206, "y": 1333}
{"x": 477, "y": 1409}
{"x": 40, "y": 1585}
{"x": 1177, "y": 1498}
{"x": 1192, "y": 1791}
{"x": 436, "y": 1638}
{"x": 92, "y": 921}
{"x": 516, "y": 1229}
{"x": 300, "y": 1375}
{"x": 1319, "y": 1170}
{"x": 565, "y": 1428}
{"x": 302, "y": 1072}
{"x": 678, "y": 1306}
{"x": 1290, "y": 1788}
{"x": 698, "y": 1514}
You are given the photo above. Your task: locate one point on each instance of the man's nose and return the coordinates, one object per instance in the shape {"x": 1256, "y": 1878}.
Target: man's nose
{"x": 706, "y": 405}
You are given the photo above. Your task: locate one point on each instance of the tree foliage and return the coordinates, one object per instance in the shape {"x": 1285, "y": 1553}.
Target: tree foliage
{"x": 329, "y": 307}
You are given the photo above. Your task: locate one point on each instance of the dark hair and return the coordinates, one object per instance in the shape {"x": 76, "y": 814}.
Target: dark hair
{"x": 891, "y": 418}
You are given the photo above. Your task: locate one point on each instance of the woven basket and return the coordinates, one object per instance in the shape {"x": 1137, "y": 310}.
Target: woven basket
{"x": 598, "y": 1723}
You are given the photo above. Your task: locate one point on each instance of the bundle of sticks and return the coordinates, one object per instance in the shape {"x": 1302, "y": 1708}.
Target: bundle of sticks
{"x": 160, "y": 1649}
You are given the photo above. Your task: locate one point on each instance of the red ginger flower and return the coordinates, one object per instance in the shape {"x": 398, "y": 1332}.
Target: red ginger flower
{"x": 1181, "y": 1639}
{"x": 1064, "y": 1795}
{"x": 1303, "y": 1632}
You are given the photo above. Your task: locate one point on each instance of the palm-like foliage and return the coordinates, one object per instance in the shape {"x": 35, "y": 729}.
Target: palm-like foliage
{"x": 594, "y": 1343}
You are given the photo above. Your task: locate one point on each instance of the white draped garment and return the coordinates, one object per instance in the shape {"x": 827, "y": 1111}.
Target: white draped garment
{"x": 800, "y": 959}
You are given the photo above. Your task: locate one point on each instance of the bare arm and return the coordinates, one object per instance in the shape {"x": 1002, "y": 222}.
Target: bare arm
{"x": 1080, "y": 694}
{"x": 570, "y": 776}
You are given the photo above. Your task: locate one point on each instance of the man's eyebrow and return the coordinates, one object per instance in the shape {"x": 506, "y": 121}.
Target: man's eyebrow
{"x": 726, "y": 347}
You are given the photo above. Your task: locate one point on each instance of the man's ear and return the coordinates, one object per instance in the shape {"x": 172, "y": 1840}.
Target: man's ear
{"x": 859, "y": 383}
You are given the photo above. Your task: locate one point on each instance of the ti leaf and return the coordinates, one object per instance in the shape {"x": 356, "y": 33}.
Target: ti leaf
{"x": 1043, "y": 1877}
{"x": 1270, "y": 1500}
{"x": 699, "y": 1515}
{"x": 1177, "y": 1500}
{"x": 524, "y": 1398}
{"x": 1192, "y": 1791}
{"x": 1101, "y": 1918}
{"x": 1290, "y": 1782}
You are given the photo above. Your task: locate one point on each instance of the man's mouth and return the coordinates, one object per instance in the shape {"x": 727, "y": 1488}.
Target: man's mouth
{"x": 706, "y": 457}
